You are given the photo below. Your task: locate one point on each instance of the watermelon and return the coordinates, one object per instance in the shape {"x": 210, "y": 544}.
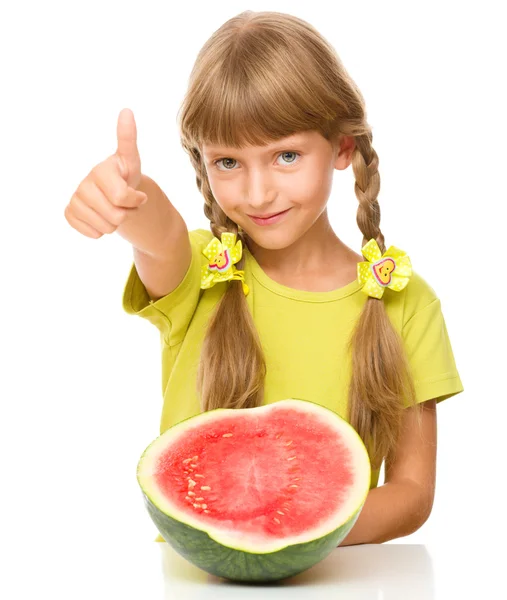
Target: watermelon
{"x": 256, "y": 494}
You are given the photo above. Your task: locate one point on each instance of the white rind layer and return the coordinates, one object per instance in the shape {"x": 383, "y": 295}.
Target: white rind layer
{"x": 247, "y": 542}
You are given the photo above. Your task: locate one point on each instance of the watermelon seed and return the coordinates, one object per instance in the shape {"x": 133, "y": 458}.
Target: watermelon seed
{"x": 188, "y": 498}
{"x": 199, "y": 499}
{"x": 197, "y": 505}
{"x": 278, "y": 435}
{"x": 191, "y": 493}
{"x": 206, "y": 511}
{"x": 191, "y": 482}
{"x": 292, "y": 458}
{"x": 297, "y": 479}
{"x": 288, "y": 443}
{"x": 280, "y": 512}
{"x": 198, "y": 475}
{"x": 187, "y": 460}
{"x": 276, "y": 520}
{"x": 192, "y": 465}
{"x": 205, "y": 487}
{"x": 294, "y": 485}
{"x": 227, "y": 435}
{"x": 205, "y": 506}
{"x": 195, "y": 457}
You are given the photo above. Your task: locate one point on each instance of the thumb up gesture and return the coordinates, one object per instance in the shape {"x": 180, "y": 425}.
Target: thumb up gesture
{"x": 108, "y": 195}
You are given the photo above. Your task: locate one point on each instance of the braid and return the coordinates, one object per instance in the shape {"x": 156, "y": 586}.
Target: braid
{"x": 381, "y": 380}
{"x": 232, "y": 367}
{"x": 367, "y": 186}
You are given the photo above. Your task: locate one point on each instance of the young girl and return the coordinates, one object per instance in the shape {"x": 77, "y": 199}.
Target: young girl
{"x": 260, "y": 309}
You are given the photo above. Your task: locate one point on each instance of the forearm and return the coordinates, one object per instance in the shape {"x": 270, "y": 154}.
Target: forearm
{"x": 391, "y": 511}
{"x": 151, "y": 228}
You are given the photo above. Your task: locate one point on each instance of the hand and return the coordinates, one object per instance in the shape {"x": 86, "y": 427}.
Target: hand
{"x": 107, "y": 196}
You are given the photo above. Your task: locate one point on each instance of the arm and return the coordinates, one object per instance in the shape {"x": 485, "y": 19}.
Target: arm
{"x": 159, "y": 236}
{"x": 400, "y": 506}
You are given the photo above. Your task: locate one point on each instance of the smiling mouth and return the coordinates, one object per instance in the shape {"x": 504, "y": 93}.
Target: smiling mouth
{"x": 268, "y": 216}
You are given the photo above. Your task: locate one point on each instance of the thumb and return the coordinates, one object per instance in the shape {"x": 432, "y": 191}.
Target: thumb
{"x": 126, "y": 132}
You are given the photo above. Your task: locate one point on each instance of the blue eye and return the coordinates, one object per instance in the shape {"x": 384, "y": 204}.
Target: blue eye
{"x": 215, "y": 162}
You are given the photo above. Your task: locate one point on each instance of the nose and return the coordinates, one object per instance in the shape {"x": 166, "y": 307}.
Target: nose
{"x": 260, "y": 193}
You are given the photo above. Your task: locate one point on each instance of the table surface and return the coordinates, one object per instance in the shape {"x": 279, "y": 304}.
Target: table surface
{"x": 155, "y": 571}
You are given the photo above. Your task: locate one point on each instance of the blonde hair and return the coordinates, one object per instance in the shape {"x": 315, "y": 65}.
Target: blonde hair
{"x": 260, "y": 77}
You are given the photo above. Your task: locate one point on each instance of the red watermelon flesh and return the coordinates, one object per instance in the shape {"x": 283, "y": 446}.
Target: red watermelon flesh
{"x": 260, "y": 479}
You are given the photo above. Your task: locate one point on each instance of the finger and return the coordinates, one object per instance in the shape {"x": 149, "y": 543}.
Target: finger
{"x": 88, "y": 215}
{"x": 93, "y": 196}
{"x": 114, "y": 188}
{"x": 126, "y": 133}
{"x": 82, "y": 227}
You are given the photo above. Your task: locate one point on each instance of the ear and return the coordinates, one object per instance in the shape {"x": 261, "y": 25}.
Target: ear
{"x": 343, "y": 151}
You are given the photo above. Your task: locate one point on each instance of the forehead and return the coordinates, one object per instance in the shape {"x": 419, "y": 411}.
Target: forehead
{"x": 296, "y": 138}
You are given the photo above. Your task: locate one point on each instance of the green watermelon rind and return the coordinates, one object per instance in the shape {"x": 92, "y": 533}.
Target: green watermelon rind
{"x": 204, "y": 552}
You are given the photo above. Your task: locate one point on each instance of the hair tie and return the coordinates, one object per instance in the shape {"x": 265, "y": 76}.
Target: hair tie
{"x": 222, "y": 256}
{"x": 391, "y": 269}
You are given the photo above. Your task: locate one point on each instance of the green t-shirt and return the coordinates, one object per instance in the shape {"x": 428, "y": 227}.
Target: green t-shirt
{"x": 303, "y": 335}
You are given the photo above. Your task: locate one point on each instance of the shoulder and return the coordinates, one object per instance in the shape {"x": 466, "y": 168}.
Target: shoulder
{"x": 418, "y": 293}
{"x": 415, "y": 296}
{"x": 200, "y": 237}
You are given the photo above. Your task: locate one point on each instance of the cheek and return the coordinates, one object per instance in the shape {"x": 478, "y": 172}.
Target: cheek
{"x": 312, "y": 189}
{"x": 223, "y": 191}
{"x": 224, "y": 196}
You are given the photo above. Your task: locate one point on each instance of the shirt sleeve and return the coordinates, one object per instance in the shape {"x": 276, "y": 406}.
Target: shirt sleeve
{"x": 172, "y": 313}
{"x": 430, "y": 354}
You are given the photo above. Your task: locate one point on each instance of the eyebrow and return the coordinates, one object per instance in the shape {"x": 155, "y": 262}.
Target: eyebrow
{"x": 293, "y": 139}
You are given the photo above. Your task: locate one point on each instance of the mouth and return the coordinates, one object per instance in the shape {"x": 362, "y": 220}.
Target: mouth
{"x": 267, "y": 216}
{"x": 269, "y": 219}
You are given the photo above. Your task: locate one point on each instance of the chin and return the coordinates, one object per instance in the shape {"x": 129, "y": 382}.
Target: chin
{"x": 271, "y": 239}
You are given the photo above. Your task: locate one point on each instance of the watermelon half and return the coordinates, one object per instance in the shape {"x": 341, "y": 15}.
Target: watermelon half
{"x": 256, "y": 494}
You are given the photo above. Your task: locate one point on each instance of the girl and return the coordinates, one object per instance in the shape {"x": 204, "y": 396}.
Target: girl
{"x": 259, "y": 309}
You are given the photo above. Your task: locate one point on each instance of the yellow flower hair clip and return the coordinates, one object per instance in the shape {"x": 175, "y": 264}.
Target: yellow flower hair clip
{"x": 392, "y": 269}
{"x": 222, "y": 256}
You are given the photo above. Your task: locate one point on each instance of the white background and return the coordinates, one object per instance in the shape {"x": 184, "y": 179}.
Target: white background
{"x": 80, "y": 384}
